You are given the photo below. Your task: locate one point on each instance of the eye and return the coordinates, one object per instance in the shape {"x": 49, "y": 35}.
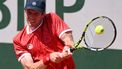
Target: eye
{"x": 36, "y": 14}
{"x": 32, "y": 12}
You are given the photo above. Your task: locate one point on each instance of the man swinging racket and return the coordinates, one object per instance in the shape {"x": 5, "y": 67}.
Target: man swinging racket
{"x": 44, "y": 42}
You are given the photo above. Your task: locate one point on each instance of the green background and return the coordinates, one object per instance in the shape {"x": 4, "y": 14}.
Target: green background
{"x": 84, "y": 59}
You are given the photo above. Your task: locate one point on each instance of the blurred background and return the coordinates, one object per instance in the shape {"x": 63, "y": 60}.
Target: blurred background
{"x": 76, "y": 13}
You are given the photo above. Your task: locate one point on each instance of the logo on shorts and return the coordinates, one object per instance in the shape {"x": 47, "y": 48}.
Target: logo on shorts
{"x": 30, "y": 46}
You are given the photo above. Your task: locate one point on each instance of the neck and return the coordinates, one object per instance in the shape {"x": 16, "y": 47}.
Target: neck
{"x": 33, "y": 25}
{"x": 31, "y": 29}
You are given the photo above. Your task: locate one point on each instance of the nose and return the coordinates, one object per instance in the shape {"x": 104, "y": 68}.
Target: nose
{"x": 30, "y": 16}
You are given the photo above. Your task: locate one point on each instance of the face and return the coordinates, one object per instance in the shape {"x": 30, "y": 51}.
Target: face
{"x": 34, "y": 17}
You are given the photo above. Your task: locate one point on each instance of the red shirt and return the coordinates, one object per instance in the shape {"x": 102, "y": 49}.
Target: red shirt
{"x": 43, "y": 40}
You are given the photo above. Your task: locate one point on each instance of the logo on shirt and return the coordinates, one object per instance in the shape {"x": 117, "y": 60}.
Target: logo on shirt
{"x": 30, "y": 46}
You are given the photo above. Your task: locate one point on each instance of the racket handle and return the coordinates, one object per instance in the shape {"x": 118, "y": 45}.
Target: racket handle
{"x": 72, "y": 49}
{"x": 78, "y": 47}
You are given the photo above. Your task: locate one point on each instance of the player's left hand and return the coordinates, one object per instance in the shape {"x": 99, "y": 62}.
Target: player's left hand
{"x": 65, "y": 53}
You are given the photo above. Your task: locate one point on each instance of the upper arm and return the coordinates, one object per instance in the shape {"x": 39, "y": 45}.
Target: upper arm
{"x": 19, "y": 50}
{"x": 59, "y": 26}
{"x": 62, "y": 30}
{"x": 22, "y": 55}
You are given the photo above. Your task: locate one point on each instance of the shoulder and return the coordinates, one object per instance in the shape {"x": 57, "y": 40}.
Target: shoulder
{"x": 52, "y": 15}
{"x": 51, "y": 18}
{"x": 17, "y": 37}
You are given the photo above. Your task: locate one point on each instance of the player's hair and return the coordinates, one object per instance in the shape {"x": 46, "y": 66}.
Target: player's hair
{"x": 38, "y": 5}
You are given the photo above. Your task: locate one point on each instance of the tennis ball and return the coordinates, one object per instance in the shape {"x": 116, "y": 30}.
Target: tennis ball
{"x": 99, "y": 29}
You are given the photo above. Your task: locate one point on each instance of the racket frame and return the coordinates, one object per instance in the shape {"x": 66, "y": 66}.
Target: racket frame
{"x": 83, "y": 37}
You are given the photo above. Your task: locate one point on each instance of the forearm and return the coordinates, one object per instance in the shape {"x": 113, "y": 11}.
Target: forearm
{"x": 67, "y": 38}
{"x": 36, "y": 65}
{"x": 39, "y": 65}
{"x": 28, "y": 63}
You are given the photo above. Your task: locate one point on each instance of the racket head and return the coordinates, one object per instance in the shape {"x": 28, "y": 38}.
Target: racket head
{"x": 98, "y": 42}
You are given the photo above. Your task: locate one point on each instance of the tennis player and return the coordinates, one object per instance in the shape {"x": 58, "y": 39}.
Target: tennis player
{"x": 45, "y": 41}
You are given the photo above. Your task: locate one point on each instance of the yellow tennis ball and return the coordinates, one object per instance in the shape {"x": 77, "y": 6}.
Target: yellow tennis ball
{"x": 99, "y": 29}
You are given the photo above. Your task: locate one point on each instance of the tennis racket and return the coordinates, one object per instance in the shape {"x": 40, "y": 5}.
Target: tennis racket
{"x": 99, "y": 39}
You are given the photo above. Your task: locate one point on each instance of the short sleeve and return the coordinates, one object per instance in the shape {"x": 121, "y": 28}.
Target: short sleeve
{"x": 60, "y": 26}
{"x": 20, "y": 51}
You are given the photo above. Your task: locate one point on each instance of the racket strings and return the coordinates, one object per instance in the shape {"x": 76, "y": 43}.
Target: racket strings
{"x": 94, "y": 40}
